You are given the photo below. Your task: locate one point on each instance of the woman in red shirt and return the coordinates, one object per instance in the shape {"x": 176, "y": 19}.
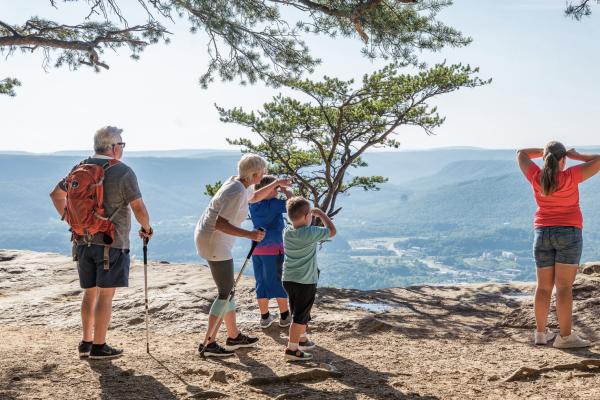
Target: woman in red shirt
{"x": 558, "y": 240}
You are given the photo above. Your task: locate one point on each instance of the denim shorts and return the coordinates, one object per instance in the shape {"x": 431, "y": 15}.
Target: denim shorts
{"x": 557, "y": 244}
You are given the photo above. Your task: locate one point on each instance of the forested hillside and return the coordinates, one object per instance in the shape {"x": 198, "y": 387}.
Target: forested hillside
{"x": 452, "y": 215}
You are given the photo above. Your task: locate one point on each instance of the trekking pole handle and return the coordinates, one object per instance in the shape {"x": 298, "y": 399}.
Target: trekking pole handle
{"x": 254, "y": 244}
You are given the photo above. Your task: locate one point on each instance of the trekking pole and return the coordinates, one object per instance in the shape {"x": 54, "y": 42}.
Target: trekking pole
{"x": 229, "y": 296}
{"x": 146, "y": 292}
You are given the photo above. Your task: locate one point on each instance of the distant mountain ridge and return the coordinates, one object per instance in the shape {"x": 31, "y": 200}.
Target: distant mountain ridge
{"x": 148, "y": 153}
{"x": 450, "y": 206}
{"x": 466, "y": 170}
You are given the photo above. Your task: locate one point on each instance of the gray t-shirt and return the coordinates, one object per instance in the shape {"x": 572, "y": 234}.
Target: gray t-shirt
{"x": 120, "y": 189}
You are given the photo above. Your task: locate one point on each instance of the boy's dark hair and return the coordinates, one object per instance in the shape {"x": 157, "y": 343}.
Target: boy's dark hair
{"x": 267, "y": 179}
{"x": 297, "y": 207}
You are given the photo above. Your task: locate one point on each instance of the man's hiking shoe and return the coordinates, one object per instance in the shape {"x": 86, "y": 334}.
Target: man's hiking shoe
{"x": 267, "y": 322}
{"x": 543, "y": 338}
{"x": 284, "y": 323}
{"x": 571, "y": 342}
{"x": 297, "y": 355}
{"x": 240, "y": 341}
{"x": 104, "y": 352}
{"x": 215, "y": 350}
{"x": 84, "y": 349}
{"x": 306, "y": 345}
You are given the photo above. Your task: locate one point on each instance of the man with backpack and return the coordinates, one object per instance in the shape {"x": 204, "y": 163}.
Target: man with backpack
{"x": 95, "y": 199}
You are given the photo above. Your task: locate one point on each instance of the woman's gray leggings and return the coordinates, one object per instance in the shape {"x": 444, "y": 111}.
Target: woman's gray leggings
{"x": 222, "y": 273}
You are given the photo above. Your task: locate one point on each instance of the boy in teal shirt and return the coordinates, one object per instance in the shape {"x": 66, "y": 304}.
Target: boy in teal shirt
{"x": 300, "y": 271}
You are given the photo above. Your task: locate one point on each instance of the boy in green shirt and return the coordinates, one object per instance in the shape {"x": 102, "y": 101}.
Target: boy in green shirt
{"x": 300, "y": 272}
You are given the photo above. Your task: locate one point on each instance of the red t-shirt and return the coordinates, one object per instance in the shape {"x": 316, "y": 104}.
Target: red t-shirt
{"x": 561, "y": 208}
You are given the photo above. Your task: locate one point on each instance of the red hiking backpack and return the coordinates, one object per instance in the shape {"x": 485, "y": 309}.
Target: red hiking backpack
{"x": 85, "y": 212}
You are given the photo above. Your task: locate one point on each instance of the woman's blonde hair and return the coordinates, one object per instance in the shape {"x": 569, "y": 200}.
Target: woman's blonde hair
{"x": 251, "y": 164}
{"x": 553, "y": 153}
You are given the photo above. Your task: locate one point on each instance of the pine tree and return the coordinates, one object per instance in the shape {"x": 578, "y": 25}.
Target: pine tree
{"x": 579, "y": 9}
{"x": 320, "y": 141}
{"x": 248, "y": 40}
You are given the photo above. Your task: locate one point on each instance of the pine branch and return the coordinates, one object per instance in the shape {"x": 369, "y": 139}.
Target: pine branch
{"x": 81, "y": 43}
{"x": 8, "y": 85}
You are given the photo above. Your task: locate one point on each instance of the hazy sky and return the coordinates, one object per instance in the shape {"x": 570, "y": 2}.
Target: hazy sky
{"x": 544, "y": 68}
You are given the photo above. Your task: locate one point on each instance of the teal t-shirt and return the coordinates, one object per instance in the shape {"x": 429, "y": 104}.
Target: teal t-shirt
{"x": 300, "y": 262}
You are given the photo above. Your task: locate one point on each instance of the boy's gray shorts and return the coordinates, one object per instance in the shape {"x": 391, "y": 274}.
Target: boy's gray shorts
{"x": 91, "y": 267}
{"x": 557, "y": 244}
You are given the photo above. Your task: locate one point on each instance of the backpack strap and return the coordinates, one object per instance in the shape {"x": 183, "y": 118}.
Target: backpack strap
{"x": 106, "y": 257}
{"x": 74, "y": 251}
{"x": 106, "y": 166}
{"x": 111, "y": 218}
{"x": 114, "y": 214}
{"x": 109, "y": 164}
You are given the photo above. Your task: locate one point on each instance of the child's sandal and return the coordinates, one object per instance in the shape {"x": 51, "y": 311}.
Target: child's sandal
{"x": 297, "y": 355}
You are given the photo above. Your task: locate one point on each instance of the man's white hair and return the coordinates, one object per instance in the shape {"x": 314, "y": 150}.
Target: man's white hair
{"x": 251, "y": 164}
{"x": 105, "y": 138}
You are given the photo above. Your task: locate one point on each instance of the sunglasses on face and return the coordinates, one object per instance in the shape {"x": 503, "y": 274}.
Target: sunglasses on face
{"x": 122, "y": 144}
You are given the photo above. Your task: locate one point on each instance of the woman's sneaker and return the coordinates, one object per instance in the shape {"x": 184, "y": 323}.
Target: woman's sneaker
{"x": 297, "y": 355}
{"x": 240, "y": 341}
{"x": 214, "y": 350}
{"x": 571, "y": 342}
{"x": 285, "y": 322}
{"x": 267, "y": 322}
{"x": 542, "y": 338}
{"x": 84, "y": 349}
{"x": 306, "y": 345}
{"x": 104, "y": 352}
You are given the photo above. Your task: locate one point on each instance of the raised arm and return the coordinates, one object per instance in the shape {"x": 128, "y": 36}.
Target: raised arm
{"x": 287, "y": 192}
{"x": 591, "y": 163}
{"x": 326, "y": 221}
{"x": 263, "y": 192}
{"x": 524, "y": 157}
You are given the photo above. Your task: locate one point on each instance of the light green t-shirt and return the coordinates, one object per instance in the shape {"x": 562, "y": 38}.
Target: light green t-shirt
{"x": 300, "y": 262}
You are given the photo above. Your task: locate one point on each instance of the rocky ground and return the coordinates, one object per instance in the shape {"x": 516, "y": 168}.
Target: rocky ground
{"x": 444, "y": 342}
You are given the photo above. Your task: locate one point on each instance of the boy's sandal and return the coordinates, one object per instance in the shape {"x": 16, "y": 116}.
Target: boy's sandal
{"x": 307, "y": 344}
{"x": 297, "y": 355}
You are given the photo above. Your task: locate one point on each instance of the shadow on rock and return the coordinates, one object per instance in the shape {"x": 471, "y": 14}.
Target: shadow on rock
{"x": 359, "y": 381}
{"x": 11, "y": 380}
{"x": 584, "y": 353}
{"x": 417, "y": 312}
{"x": 365, "y": 381}
{"x": 586, "y": 307}
{"x": 279, "y": 335}
{"x": 195, "y": 392}
{"x": 117, "y": 383}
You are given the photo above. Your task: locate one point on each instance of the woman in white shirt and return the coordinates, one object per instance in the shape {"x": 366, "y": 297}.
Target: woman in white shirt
{"x": 215, "y": 235}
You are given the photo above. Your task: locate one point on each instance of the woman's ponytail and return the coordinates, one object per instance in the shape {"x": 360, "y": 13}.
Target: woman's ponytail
{"x": 553, "y": 153}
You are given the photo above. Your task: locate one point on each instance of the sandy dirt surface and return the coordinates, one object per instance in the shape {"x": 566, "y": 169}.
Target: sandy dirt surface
{"x": 446, "y": 342}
